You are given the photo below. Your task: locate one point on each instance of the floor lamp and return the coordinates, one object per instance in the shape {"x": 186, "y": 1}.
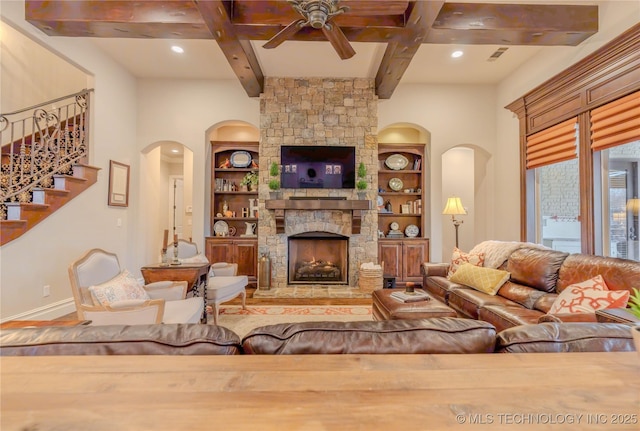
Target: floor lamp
{"x": 454, "y": 207}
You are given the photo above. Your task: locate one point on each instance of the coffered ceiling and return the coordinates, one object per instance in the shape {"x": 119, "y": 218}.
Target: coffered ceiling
{"x": 393, "y": 41}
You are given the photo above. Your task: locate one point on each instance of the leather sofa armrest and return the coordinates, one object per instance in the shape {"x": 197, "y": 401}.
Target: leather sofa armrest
{"x": 430, "y": 269}
{"x": 568, "y": 317}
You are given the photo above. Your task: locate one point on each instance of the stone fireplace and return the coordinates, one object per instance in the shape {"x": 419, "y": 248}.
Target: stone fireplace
{"x": 318, "y": 112}
{"x": 318, "y": 257}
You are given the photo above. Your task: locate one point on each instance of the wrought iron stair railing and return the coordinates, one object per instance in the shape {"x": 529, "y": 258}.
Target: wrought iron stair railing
{"x": 41, "y": 142}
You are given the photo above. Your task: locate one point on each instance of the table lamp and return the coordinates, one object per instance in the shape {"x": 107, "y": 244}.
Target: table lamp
{"x": 454, "y": 207}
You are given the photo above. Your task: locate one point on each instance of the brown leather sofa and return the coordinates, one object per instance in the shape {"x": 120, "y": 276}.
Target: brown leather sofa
{"x": 537, "y": 276}
{"x": 565, "y": 337}
{"x": 437, "y": 335}
{"x": 167, "y": 339}
{"x": 416, "y": 336}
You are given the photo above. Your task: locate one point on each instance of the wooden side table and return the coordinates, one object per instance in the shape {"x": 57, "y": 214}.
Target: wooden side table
{"x": 195, "y": 274}
{"x": 616, "y": 315}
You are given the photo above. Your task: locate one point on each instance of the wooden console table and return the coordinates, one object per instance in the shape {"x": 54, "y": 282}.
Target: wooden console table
{"x": 355, "y": 206}
{"x": 491, "y": 391}
{"x": 195, "y": 274}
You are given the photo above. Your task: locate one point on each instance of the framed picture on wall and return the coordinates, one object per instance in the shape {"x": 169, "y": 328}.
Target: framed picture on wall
{"x": 118, "y": 184}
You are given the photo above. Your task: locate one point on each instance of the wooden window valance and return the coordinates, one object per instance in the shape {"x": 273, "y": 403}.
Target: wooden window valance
{"x": 553, "y": 145}
{"x": 616, "y": 123}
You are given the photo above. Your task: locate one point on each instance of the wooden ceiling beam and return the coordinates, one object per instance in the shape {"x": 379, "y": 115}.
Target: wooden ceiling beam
{"x": 354, "y": 34}
{"x": 403, "y": 25}
{"x": 140, "y": 19}
{"x": 281, "y": 12}
{"x": 399, "y": 54}
{"x": 239, "y": 54}
{"x": 514, "y": 24}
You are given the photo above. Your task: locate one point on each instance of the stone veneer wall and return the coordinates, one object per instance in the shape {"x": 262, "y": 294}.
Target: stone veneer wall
{"x": 322, "y": 112}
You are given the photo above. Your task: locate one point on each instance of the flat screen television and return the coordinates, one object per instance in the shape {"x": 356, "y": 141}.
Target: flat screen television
{"x": 318, "y": 167}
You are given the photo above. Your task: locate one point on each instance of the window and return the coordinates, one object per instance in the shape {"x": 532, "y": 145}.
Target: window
{"x": 603, "y": 92}
{"x": 615, "y": 135}
{"x": 553, "y": 156}
{"x": 558, "y": 214}
{"x": 620, "y": 203}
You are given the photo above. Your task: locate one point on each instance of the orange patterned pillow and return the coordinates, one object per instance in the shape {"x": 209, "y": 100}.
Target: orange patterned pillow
{"x": 589, "y": 296}
{"x": 459, "y": 257}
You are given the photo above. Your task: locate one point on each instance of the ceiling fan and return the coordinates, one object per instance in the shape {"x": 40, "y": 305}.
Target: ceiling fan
{"x": 317, "y": 14}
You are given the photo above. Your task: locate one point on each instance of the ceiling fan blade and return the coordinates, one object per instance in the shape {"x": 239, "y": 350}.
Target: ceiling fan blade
{"x": 284, "y": 34}
{"x": 339, "y": 41}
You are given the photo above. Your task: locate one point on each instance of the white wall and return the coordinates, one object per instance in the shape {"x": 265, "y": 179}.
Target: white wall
{"x": 42, "y": 255}
{"x": 183, "y": 111}
{"x": 455, "y": 115}
{"x": 30, "y": 74}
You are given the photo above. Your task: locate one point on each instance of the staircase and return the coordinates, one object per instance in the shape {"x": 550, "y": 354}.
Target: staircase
{"x": 44, "y": 153}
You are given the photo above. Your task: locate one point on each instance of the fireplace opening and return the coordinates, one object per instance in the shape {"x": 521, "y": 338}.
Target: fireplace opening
{"x": 318, "y": 258}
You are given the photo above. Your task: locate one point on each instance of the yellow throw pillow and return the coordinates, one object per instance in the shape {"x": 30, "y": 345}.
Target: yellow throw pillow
{"x": 487, "y": 280}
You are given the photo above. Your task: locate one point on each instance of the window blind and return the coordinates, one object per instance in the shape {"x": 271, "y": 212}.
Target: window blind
{"x": 553, "y": 145}
{"x": 616, "y": 123}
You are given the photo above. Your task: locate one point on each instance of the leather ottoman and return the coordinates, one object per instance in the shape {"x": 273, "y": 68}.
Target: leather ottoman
{"x": 384, "y": 307}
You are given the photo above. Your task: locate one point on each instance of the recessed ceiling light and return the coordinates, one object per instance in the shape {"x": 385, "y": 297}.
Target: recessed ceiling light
{"x": 175, "y": 151}
{"x": 456, "y": 54}
{"x": 178, "y": 49}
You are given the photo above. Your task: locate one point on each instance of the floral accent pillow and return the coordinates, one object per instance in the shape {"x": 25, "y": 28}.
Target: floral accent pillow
{"x": 122, "y": 287}
{"x": 459, "y": 257}
{"x": 589, "y": 296}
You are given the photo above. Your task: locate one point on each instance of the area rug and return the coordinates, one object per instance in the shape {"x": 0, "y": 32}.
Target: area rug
{"x": 242, "y": 321}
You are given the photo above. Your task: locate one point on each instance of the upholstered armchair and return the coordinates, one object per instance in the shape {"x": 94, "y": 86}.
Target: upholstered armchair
{"x": 224, "y": 285}
{"x": 107, "y": 294}
{"x": 186, "y": 249}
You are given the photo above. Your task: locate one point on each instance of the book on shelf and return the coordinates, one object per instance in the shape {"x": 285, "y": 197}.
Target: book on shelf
{"x": 415, "y": 296}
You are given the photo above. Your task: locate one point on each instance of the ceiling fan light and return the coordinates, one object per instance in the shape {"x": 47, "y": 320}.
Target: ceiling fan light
{"x": 317, "y": 18}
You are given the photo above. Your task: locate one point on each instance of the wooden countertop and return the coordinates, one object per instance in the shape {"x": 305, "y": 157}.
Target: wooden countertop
{"x": 322, "y": 392}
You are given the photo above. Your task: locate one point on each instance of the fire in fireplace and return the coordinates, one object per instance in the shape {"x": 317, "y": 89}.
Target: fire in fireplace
{"x": 318, "y": 258}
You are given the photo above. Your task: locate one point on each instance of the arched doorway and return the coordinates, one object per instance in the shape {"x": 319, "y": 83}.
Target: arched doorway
{"x": 166, "y": 184}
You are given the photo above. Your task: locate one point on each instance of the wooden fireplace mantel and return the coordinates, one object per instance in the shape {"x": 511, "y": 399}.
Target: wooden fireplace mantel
{"x": 280, "y": 206}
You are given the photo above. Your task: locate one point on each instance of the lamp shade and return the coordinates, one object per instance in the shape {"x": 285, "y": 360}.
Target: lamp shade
{"x": 454, "y": 207}
{"x": 633, "y": 205}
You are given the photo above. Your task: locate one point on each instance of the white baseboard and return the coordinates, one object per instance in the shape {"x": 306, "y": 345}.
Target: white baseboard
{"x": 48, "y": 312}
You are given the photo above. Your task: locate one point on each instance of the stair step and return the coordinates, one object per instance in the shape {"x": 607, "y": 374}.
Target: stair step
{"x": 11, "y": 229}
{"x": 48, "y": 196}
{"x": 26, "y": 211}
{"x": 46, "y": 201}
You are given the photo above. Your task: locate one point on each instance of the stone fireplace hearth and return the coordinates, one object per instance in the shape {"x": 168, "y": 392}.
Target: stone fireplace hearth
{"x": 318, "y": 112}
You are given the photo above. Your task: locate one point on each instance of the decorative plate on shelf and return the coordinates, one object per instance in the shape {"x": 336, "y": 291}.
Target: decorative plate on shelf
{"x": 221, "y": 228}
{"x": 395, "y": 184}
{"x": 380, "y": 201}
{"x": 396, "y": 162}
{"x": 240, "y": 159}
{"x": 412, "y": 231}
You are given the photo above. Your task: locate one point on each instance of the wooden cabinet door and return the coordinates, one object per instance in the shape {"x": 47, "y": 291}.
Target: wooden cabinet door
{"x": 391, "y": 254}
{"x": 219, "y": 251}
{"x": 414, "y": 253}
{"x": 246, "y": 256}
